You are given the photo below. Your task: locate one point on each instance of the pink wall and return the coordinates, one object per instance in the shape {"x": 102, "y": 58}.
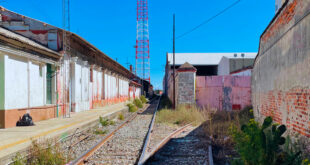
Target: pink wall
{"x": 223, "y": 92}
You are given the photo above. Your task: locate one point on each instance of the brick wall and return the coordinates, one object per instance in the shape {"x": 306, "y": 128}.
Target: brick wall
{"x": 281, "y": 73}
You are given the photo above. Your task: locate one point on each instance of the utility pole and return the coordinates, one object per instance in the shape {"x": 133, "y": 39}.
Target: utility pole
{"x": 174, "y": 101}
{"x": 66, "y": 51}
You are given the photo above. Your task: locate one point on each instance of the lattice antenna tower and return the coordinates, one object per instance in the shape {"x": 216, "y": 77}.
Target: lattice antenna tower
{"x": 142, "y": 41}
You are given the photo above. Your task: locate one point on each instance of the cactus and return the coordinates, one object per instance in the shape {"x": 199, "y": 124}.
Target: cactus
{"x": 262, "y": 144}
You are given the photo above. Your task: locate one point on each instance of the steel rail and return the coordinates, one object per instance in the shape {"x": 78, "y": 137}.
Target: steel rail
{"x": 83, "y": 158}
{"x": 163, "y": 142}
{"x": 148, "y": 136}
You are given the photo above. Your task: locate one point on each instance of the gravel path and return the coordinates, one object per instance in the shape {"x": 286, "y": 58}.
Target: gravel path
{"x": 189, "y": 147}
{"x": 160, "y": 132}
{"x": 89, "y": 137}
{"x": 126, "y": 145}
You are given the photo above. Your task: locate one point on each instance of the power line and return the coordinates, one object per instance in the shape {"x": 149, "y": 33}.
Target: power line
{"x": 210, "y": 19}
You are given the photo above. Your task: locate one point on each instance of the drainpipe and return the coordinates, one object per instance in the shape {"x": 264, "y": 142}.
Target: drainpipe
{"x": 57, "y": 96}
{"x": 28, "y": 81}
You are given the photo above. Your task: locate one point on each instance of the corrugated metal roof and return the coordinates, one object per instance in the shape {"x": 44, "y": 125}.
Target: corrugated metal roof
{"x": 205, "y": 58}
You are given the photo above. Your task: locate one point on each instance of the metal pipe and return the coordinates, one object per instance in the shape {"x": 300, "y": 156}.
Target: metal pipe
{"x": 28, "y": 85}
{"x": 174, "y": 100}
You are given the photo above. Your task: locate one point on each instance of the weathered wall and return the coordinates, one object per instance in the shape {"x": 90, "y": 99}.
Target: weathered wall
{"x": 38, "y": 31}
{"x": 223, "y": 67}
{"x": 281, "y": 74}
{"x": 25, "y": 81}
{"x": 2, "y": 82}
{"x": 245, "y": 72}
{"x": 223, "y": 92}
{"x": 186, "y": 87}
{"x": 80, "y": 86}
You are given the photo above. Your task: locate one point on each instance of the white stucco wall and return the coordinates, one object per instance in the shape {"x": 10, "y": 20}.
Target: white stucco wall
{"x": 81, "y": 86}
{"x": 2, "y": 80}
{"x": 137, "y": 92}
{"x": 111, "y": 86}
{"x": 123, "y": 88}
{"x": 18, "y": 73}
{"x": 37, "y": 84}
{"x": 97, "y": 84}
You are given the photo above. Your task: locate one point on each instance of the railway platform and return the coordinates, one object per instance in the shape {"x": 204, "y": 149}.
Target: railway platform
{"x": 17, "y": 139}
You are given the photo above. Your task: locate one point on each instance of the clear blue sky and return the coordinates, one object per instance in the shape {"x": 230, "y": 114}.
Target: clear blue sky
{"x": 110, "y": 25}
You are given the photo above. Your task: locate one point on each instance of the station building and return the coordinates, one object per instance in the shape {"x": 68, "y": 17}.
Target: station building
{"x": 46, "y": 76}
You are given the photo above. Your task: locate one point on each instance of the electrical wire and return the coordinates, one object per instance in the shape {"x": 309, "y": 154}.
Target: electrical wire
{"x": 209, "y": 19}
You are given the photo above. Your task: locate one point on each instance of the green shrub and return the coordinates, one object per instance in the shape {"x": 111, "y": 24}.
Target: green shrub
{"x": 112, "y": 122}
{"x": 104, "y": 122}
{"x": 143, "y": 99}
{"x": 43, "y": 153}
{"x": 100, "y": 132}
{"x": 121, "y": 116}
{"x": 138, "y": 103}
{"x": 262, "y": 145}
{"x": 245, "y": 115}
{"x": 46, "y": 153}
{"x": 18, "y": 160}
{"x": 132, "y": 108}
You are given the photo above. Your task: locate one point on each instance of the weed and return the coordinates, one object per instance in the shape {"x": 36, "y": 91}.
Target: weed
{"x": 104, "y": 122}
{"x": 121, "y": 116}
{"x": 143, "y": 99}
{"x": 112, "y": 122}
{"x": 182, "y": 115}
{"x": 46, "y": 153}
{"x": 138, "y": 103}
{"x": 100, "y": 132}
{"x": 132, "y": 107}
{"x": 18, "y": 160}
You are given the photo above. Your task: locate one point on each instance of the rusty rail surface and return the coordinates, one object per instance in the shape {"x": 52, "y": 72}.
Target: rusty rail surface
{"x": 83, "y": 158}
{"x": 162, "y": 143}
{"x": 148, "y": 137}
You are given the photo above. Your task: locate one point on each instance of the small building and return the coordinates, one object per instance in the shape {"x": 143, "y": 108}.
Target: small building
{"x": 185, "y": 84}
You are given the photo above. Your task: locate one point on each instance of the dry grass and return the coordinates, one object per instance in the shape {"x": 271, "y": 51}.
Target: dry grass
{"x": 217, "y": 127}
{"x": 218, "y": 124}
{"x": 181, "y": 116}
{"x": 44, "y": 152}
{"x": 121, "y": 116}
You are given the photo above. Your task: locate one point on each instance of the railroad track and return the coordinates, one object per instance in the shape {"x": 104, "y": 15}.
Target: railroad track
{"x": 136, "y": 142}
{"x": 124, "y": 144}
{"x": 186, "y": 145}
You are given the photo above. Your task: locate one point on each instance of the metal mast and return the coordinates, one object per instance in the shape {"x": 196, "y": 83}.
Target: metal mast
{"x": 142, "y": 41}
{"x": 66, "y": 58}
